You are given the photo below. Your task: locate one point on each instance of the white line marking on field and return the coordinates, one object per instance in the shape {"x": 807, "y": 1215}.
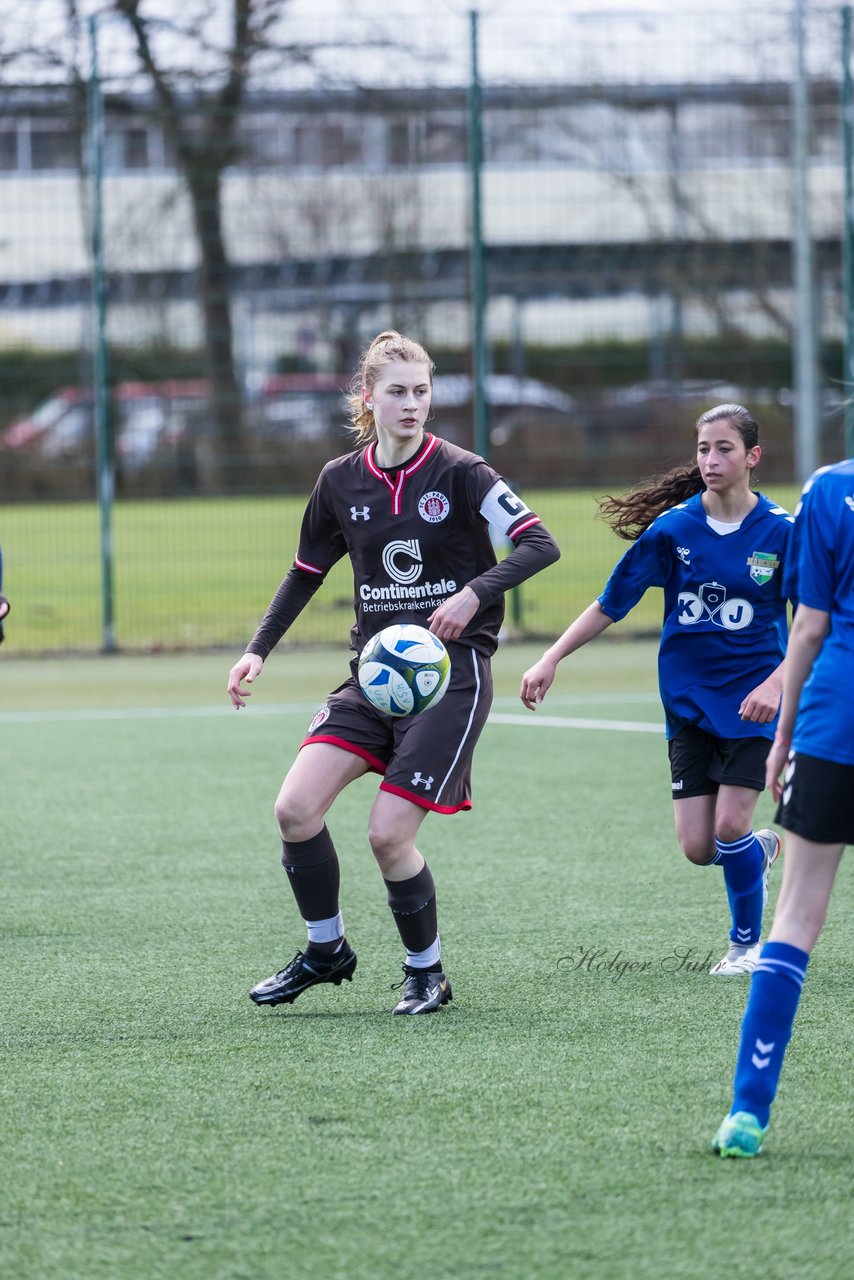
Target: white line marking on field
{"x": 584, "y": 699}
{"x": 150, "y": 713}
{"x": 82, "y": 715}
{"x": 536, "y": 721}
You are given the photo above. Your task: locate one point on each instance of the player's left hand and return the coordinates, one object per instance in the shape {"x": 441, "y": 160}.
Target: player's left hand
{"x": 762, "y": 703}
{"x": 450, "y": 620}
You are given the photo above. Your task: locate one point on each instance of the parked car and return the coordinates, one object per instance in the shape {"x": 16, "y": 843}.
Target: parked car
{"x": 146, "y": 415}
{"x": 59, "y": 425}
{"x": 150, "y": 419}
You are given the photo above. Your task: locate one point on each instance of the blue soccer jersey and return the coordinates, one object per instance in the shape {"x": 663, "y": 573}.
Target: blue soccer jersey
{"x": 823, "y": 578}
{"x": 725, "y": 622}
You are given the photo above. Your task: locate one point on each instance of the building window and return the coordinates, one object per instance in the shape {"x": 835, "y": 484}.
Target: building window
{"x": 264, "y": 143}
{"x": 8, "y": 149}
{"x": 126, "y": 148}
{"x": 326, "y": 145}
{"x": 444, "y": 142}
{"x": 137, "y": 155}
{"x": 513, "y": 137}
{"x": 52, "y": 148}
{"x": 400, "y": 149}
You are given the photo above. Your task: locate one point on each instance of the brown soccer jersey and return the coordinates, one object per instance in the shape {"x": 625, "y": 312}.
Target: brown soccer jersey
{"x": 415, "y": 535}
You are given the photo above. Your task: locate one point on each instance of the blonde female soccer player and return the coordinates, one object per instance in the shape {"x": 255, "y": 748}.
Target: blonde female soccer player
{"x": 412, "y": 512}
{"x": 718, "y": 549}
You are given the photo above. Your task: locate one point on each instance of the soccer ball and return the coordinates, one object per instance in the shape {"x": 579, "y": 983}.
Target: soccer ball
{"x": 404, "y": 669}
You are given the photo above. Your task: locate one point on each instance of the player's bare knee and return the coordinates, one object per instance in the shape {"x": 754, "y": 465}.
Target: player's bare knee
{"x": 385, "y": 845}
{"x": 728, "y": 829}
{"x": 296, "y": 819}
{"x": 700, "y": 852}
{"x": 381, "y": 840}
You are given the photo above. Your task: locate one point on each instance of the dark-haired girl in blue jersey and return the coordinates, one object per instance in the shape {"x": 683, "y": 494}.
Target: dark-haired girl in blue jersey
{"x": 717, "y": 548}
{"x": 814, "y": 751}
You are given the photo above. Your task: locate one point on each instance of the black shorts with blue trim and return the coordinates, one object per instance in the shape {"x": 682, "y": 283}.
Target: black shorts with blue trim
{"x": 818, "y": 799}
{"x": 426, "y": 758}
{"x": 701, "y": 762}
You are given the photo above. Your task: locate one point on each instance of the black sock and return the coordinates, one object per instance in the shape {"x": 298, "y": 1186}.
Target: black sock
{"x": 413, "y": 905}
{"x": 324, "y": 950}
{"x": 314, "y": 875}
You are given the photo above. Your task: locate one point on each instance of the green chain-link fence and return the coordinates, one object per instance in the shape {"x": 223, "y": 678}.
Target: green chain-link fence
{"x": 271, "y": 197}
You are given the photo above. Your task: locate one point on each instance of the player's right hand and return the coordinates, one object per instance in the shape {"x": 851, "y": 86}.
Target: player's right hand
{"x": 248, "y": 668}
{"x": 536, "y": 683}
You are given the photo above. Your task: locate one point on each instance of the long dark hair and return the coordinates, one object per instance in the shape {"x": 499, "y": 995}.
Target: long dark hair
{"x": 635, "y": 511}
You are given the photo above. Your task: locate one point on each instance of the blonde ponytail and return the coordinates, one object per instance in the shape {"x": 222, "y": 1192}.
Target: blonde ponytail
{"x": 385, "y": 347}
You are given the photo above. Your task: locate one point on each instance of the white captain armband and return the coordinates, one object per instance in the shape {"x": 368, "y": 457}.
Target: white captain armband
{"x": 502, "y": 508}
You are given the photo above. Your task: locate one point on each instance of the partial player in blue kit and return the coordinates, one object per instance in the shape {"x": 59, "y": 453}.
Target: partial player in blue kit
{"x": 813, "y": 750}
{"x": 4, "y": 603}
{"x": 412, "y": 512}
{"x": 718, "y": 549}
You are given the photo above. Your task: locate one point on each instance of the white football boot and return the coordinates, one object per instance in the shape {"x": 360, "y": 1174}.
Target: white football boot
{"x": 738, "y": 960}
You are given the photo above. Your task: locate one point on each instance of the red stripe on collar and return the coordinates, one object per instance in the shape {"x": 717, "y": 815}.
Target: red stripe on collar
{"x": 395, "y": 487}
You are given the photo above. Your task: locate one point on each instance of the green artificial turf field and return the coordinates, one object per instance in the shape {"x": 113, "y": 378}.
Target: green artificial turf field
{"x": 552, "y": 1122}
{"x": 198, "y": 573}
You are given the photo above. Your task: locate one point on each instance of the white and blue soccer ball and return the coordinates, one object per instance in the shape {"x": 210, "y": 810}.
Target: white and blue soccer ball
{"x": 404, "y": 669}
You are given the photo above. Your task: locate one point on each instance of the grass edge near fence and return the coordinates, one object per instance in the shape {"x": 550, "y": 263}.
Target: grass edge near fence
{"x": 198, "y": 573}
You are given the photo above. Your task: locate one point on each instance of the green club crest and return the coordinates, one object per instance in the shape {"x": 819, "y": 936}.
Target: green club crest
{"x": 762, "y": 565}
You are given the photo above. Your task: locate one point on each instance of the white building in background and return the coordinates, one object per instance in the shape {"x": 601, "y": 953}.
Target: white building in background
{"x": 345, "y": 176}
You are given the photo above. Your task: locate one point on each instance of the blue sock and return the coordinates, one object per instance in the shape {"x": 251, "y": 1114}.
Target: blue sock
{"x": 742, "y": 864}
{"x": 775, "y": 990}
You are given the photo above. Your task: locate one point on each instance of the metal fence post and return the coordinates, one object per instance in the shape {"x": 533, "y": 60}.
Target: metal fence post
{"x": 100, "y": 369}
{"x": 478, "y": 285}
{"x": 806, "y": 344}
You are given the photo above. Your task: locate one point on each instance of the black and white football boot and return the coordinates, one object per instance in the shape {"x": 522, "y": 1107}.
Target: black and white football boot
{"x": 306, "y": 970}
{"x": 424, "y": 991}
